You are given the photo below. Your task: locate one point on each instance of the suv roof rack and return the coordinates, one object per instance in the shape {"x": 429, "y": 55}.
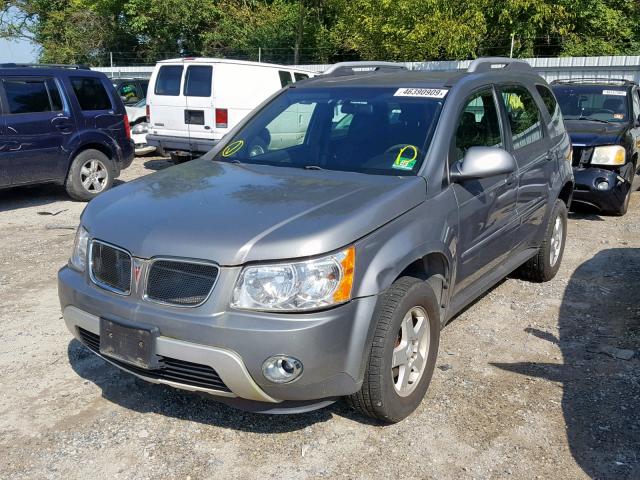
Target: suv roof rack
{"x": 486, "y": 64}
{"x": 616, "y": 81}
{"x": 44, "y": 65}
{"x": 352, "y": 68}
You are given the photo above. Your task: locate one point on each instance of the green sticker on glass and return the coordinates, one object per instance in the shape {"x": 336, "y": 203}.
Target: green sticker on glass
{"x": 406, "y": 159}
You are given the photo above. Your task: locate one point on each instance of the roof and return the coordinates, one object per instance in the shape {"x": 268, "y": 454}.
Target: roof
{"x": 382, "y": 74}
{"x": 613, "y": 82}
{"x": 208, "y": 60}
{"x": 386, "y": 79}
{"x": 26, "y": 70}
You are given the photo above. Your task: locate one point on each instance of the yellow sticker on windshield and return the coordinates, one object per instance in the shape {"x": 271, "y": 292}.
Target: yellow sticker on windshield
{"x": 406, "y": 159}
{"x": 232, "y": 148}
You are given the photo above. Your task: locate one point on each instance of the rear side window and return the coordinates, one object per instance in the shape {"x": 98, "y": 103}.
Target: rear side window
{"x": 32, "y": 95}
{"x": 168, "y": 81}
{"x": 300, "y": 76}
{"x": 523, "y": 115}
{"x": 91, "y": 93}
{"x": 285, "y": 78}
{"x": 198, "y": 81}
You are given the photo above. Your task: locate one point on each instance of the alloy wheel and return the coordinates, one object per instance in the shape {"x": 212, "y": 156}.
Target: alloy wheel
{"x": 93, "y": 176}
{"x": 411, "y": 351}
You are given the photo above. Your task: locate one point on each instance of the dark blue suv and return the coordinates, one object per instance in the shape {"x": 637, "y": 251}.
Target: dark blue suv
{"x": 64, "y": 125}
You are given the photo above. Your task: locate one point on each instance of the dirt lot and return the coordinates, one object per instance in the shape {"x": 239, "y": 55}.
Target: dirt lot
{"x": 522, "y": 389}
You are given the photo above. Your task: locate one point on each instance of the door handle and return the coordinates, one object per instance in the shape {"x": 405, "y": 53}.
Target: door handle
{"x": 63, "y": 124}
{"x": 550, "y": 156}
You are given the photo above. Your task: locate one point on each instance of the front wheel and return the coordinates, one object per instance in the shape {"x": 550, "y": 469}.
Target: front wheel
{"x": 546, "y": 263}
{"x": 403, "y": 353}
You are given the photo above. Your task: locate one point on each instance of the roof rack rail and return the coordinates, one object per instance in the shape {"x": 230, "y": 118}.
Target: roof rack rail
{"x": 352, "y": 68}
{"x": 44, "y": 65}
{"x": 486, "y": 64}
{"x": 618, "y": 81}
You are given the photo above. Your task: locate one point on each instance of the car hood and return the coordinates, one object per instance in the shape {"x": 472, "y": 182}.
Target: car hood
{"x": 589, "y": 133}
{"x": 232, "y": 213}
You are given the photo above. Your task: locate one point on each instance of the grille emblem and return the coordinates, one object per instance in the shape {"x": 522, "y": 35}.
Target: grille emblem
{"x": 137, "y": 270}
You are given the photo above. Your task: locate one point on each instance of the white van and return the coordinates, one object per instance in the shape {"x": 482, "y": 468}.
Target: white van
{"x": 193, "y": 102}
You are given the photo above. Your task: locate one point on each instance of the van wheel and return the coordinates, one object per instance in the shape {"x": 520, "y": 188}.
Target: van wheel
{"x": 179, "y": 158}
{"x": 403, "y": 353}
{"x": 546, "y": 263}
{"x": 91, "y": 173}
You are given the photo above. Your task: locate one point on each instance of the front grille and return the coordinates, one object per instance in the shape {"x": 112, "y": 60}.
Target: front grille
{"x": 110, "y": 267}
{"x": 581, "y": 155}
{"x": 174, "y": 370}
{"x": 180, "y": 283}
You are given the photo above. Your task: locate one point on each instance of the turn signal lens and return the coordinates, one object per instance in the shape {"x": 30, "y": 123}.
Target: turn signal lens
{"x": 348, "y": 264}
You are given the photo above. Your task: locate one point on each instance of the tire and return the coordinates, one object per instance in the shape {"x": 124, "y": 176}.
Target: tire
{"x": 542, "y": 268}
{"x": 91, "y": 173}
{"x": 379, "y": 396}
{"x": 624, "y": 206}
{"x": 180, "y": 158}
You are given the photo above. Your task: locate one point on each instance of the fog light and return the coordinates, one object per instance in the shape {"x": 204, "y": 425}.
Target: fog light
{"x": 602, "y": 185}
{"x": 281, "y": 369}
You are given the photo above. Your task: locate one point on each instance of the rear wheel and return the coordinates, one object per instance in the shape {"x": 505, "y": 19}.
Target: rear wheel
{"x": 91, "y": 173}
{"x": 546, "y": 263}
{"x": 403, "y": 354}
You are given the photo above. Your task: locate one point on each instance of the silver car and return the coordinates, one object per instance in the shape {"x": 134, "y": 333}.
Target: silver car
{"x": 281, "y": 276}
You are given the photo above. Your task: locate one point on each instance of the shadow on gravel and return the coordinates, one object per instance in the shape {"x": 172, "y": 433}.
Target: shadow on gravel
{"x": 31, "y": 196}
{"x": 158, "y": 164}
{"x": 599, "y": 329}
{"x": 135, "y": 394}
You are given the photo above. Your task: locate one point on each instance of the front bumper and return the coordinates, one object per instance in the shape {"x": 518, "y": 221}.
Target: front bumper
{"x": 181, "y": 144}
{"x": 331, "y": 344}
{"x": 586, "y": 191}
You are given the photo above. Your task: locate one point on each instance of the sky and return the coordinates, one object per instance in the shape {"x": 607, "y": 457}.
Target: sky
{"x": 20, "y": 51}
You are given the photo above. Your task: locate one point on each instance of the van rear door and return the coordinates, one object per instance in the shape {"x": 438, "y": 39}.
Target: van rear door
{"x": 199, "y": 115}
{"x": 167, "y": 102}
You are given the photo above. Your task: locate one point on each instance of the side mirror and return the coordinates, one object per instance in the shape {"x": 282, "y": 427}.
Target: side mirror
{"x": 483, "y": 162}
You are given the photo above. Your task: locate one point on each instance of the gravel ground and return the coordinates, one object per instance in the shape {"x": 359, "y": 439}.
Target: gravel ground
{"x": 529, "y": 381}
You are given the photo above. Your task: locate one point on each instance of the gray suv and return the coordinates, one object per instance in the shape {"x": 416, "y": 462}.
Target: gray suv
{"x": 319, "y": 249}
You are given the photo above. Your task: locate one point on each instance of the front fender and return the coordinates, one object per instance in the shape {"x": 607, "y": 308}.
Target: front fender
{"x": 431, "y": 227}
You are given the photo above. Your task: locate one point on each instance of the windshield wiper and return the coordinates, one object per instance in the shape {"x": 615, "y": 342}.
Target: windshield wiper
{"x": 594, "y": 119}
{"x": 313, "y": 167}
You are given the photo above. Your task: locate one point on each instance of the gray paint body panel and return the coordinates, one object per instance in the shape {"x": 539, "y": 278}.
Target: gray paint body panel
{"x": 236, "y": 214}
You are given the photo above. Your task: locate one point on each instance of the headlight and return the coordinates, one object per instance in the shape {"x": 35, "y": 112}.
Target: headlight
{"x": 140, "y": 128}
{"x": 78, "y": 258}
{"x": 611, "y": 155}
{"x": 298, "y": 286}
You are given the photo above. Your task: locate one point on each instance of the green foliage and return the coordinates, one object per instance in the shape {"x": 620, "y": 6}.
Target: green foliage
{"x": 143, "y": 31}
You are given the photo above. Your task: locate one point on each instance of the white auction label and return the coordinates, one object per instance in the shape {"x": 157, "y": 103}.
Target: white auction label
{"x": 421, "y": 92}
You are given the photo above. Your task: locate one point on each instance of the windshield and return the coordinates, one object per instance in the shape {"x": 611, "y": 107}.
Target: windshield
{"x": 369, "y": 130}
{"x": 590, "y": 102}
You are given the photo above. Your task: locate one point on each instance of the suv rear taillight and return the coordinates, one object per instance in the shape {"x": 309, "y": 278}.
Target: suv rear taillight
{"x": 148, "y": 114}
{"x": 222, "y": 118}
{"x": 127, "y": 127}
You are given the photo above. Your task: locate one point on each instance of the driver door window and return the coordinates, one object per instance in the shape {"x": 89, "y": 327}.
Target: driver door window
{"x": 478, "y": 125}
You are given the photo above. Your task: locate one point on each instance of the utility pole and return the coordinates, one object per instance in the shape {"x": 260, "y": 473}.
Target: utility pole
{"x": 299, "y": 33}
{"x": 111, "y": 60}
{"x": 259, "y": 54}
{"x": 513, "y": 36}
